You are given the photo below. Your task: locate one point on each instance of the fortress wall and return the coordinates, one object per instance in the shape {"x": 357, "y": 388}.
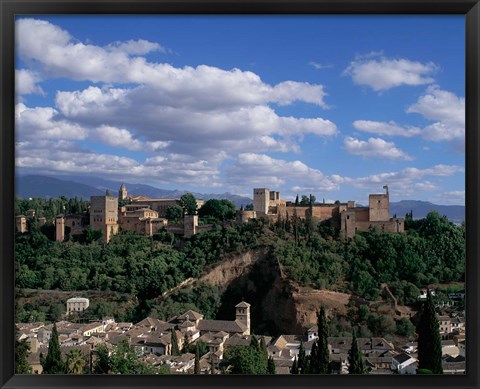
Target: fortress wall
{"x": 362, "y": 214}
{"x": 320, "y": 213}
{"x": 283, "y": 210}
{"x": 383, "y": 226}
{"x": 245, "y": 216}
{"x": 325, "y": 212}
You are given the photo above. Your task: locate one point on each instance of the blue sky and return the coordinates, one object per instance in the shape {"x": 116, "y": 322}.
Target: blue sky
{"x": 336, "y": 106}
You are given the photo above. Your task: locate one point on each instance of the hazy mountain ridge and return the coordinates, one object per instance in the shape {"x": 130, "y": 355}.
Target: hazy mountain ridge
{"x": 420, "y": 209}
{"x": 84, "y": 186}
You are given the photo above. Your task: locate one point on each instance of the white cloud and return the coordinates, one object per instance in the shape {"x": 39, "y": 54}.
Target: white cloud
{"x": 407, "y": 181}
{"x": 374, "y": 148}
{"x": 204, "y": 86}
{"x": 204, "y": 112}
{"x": 446, "y": 109}
{"x": 26, "y": 82}
{"x": 60, "y": 157}
{"x": 382, "y": 128}
{"x": 122, "y": 138}
{"x": 382, "y": 74}
{"x": 135, "y": 47}
{"x": 43, "y": 123}
{"x": 426, "y": 186}
{"x": 247, "y": 128}
{"x": 452, "y": 197}
{"x": 252, "y": 169}
{"x": 320, "y": 66}
{"x": 289, "y": 91}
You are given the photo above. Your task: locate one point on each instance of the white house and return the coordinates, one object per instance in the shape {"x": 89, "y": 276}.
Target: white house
{"x": 404, "y": 364}
{"x": 77, "y": 304}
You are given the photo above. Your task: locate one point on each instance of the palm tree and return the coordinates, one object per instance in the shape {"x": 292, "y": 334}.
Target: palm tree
{"x": 75, "y": 362}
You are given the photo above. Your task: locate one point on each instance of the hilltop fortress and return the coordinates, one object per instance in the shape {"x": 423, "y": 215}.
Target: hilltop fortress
{"x": 142, "y": 215}
{"x": 146, "y": 216}
{"x": 347, "y": 217}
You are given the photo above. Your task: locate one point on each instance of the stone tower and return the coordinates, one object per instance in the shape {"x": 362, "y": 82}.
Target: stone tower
{"x": 190, "y": 225}
{"x": 122, "y": 193}
{"x": 21, "y": 222}
{"x": 379, "y": 207}
{"x": 348, "y": 223}
{"x": 60, "y": 228}
{"x": 104, "y": 215}
{"x": 242, "y": 315}
{"x": 261, "y": 200}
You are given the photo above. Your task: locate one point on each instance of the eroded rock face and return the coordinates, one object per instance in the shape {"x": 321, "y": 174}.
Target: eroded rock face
{"x": 229, "y": 270}
{"x": 278, "y": 305}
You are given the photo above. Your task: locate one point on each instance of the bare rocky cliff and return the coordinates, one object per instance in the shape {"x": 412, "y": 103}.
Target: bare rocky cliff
{"x": 278, "y": 304}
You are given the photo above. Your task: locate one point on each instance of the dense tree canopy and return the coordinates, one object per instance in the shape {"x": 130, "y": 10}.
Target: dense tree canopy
{"x": 218, "y": 209}
{"x": 189, "y": 203}
{"x": 174, "y": 213}
{"x": 248, "y": 360}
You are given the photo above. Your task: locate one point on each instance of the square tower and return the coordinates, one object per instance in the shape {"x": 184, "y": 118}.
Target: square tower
{"x": 104, "y": 215}
{"x": 60, "y": 228}
{"x": 379, "y": 207}
{"x": 242, "y": 315}
{"x": 261, "y": 200}
{"x": 122, "y": 193}
{"x": 21, "y": 223}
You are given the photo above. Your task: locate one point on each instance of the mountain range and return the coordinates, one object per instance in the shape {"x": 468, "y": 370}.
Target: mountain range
{"x": 85, "y": 186}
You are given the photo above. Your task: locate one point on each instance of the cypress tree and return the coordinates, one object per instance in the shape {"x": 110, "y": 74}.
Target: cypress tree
{"x": 295, "y": 226}
{"x": 322, "y": 348}
{"x": 53, "y": 360}
{"x": 271, "y": 366}
{"x": 22, "y": 350}
{"x": 302, "y": 360}
{"x": 186, "y": 344}
{"x": 319, "y": 357}
{"x": 355, "y": 358}
{"x": 254, "y": 343}
{"x": 294, "y": 369}
{"x": 196, "y": 369}
{"x": 429, "y": 341}
{"x": 287, "y": 222}
{"x": 309, "y": 218}
{"x": 312, "y": 362}
{"x": 263, "y": 349}
{"x": 175, "y": 349}
{"x": 263, "y": 353}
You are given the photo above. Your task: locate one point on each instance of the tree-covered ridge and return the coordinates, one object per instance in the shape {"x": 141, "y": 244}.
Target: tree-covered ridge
{"x": 431, "y": 251}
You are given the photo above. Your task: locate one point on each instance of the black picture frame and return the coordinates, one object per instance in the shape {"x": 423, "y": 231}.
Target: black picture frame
{"x": 10, "y": 8}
